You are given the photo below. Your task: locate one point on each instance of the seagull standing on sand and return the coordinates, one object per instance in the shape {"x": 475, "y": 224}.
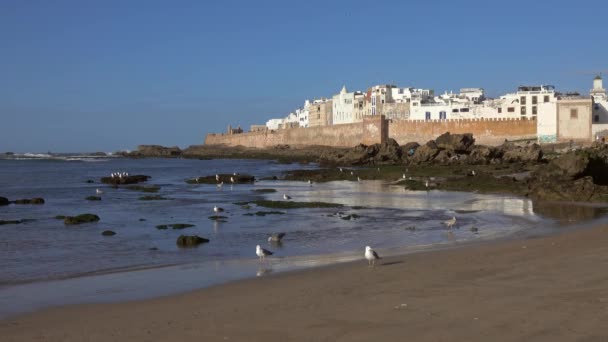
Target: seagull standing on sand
{"x": 262, "y": 253}
{"x": 285, "y": 197}
{"x": 371, "y": 256}
{"x": 99, "y": 192}
{"x": 451, "y": 222}
{"x": 217, "y": 209}
{"x": 276, "y": 237}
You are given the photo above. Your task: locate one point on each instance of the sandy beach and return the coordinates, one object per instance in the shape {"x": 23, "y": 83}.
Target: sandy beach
{"x": 541, "y": 289}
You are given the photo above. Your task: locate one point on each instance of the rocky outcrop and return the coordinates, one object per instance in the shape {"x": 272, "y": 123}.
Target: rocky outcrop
{"x": 574, "y": 176}
{"x": 155, "y": 151}
{"x": 36, "y": 200}
{"x": 190, "y": 240}
{"x": 125, "y": 180}
{"x": 425, "y": 153}
{"x": 108, "y": 233}
{"x": 526, "y": 153}
{"x": 459, "y": 143}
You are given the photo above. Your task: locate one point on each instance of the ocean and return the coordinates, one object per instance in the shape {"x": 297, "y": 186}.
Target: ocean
{"x": 46, "y": 263}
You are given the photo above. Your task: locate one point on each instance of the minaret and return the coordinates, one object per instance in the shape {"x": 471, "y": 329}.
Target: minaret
{"x": 598, "y": 92}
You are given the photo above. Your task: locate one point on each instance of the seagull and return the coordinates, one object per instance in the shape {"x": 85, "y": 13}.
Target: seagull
{"x": 232, "y": 180}
{"x": 472, "y": 172}
{"x": 276, "y": 237}
{"x": 358, "y": 179}
{"x": 217, "y": 177}
{"x": 285, "y": 197}
{"x": 234, "y": 173}
{"x": 217, "y": 209}
{"x": 451, "y": 222}
{"x": 352, "y": 173}
{"x": 261, "y": 252}
{"x": 219, "y": 185}
{"x": 426, "y": 184}
{"x": 309, "y": 182}
{"x": 371, "y": 255}
{"x": 99, "y": 192}
{"x": 403, "y": 176}
{"x": 341, "y": 170}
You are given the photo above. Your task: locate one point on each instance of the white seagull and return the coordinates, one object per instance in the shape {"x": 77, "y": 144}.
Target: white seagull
{"x": 285, "y": 197}
{"x": 232, "y": 180}
{"x": 217, "y": 177}
{"x": 358, "y": 179}
{"x": 219, "y": 185}
{"x": 261, "y": 252}
{"x": 403, "y": 176}
{"x": 99, "y": 192}
{"x": 217, "y": 209}
{"x": 473, "y": 173}
{"x": 276, "y": 237}
{"x": 341, "y": 170}
{"x": 451, "y": 222}
{"x": 309, "y": 182}
{"x": 426, "y": 184}
{"x": 371, "y": 256}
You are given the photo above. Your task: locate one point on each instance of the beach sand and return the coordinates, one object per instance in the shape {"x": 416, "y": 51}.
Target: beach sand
{"x": 541, "y": 289}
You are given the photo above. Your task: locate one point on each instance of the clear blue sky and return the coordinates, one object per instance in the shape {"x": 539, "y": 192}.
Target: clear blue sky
{"x": 107, "y": 75}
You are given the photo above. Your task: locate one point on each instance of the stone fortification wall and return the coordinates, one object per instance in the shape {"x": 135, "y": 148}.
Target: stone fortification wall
{"x": 370, "y": 131}
{"x": 376, "y": 129}
{"x": 485, "y": 131}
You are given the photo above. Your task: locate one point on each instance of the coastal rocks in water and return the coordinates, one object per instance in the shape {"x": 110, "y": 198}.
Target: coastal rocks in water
{"x": 155, "y": 151}
{"x": 108, "y": 233}
{"x": 225, "y": 177}
{"x": 125, "y": 180}
{"x": 36, "y": 200}
{"x": 459, "y": 143}
{"x": 93, "y": 198}
{"x": 190, "y": 240}
{"x": 388, "y": 153}
{"x": 174, "y": 226}
{"x": 4, "y": 201}
{"x": 83, "y": 218}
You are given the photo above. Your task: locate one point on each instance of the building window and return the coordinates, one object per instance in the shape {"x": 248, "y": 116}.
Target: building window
{"x": 511, "y": 109}
{"x": 464, "y": 110}
{"x": 442, "y": 115}
{"x": 546, "y": 98}
{"x": 596, "y": 118}
{"x": 499, "y": 110}
{"x": 596, "y": 107}
{"x": 573, "y": 113}
{"x": 522, "y": 100}
{"x": 534, "y": 100}
{"x": 523, "y": 110}
{"x": 534, "y": 110}
{"x": 427, "y": 116}
{"x": 455, "y": 110}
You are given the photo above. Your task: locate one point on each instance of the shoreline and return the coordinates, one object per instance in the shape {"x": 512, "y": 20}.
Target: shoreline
{"x": 499, "y": 284}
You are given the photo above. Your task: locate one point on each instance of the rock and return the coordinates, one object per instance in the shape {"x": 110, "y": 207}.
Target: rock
{"x": 481, "y": 155}
{"x": 174, "y": 226}
{"x": 527, "y": 153}
{"x": 93, "y": 198}
{"x": 108, "y": 233}
{"x": 156, "y": 151}
{"x": 410, "y": 148}
{"x": 190, "y": 240}
{"x": 3, "y": 222}
{"x": 459, "y": 143}
{"x": 83, "y": 218}
{"x": 125, "y": 180}
{"x": 36, "y": 200}
{"x": 425, "y": 153}
{"x": 4, "y": 201}
{"x": 446, "y": 157}
{"x": 224, "y": 177}
{"x": 90, "y": 181}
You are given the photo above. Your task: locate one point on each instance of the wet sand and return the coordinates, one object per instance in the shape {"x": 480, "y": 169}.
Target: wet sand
{"x": 542, "y": 289}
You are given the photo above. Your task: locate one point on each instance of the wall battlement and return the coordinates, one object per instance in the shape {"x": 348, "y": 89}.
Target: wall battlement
{"x": 377, "y": 129}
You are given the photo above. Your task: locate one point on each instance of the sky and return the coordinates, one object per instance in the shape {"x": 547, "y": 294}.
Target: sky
{"x": 85, "y": 76}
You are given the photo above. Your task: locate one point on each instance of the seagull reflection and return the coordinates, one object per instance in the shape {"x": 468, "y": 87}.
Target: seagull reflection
{"x": 263, "y": 271}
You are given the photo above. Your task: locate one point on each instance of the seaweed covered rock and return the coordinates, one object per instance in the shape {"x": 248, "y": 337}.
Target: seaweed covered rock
{"x": 93, "y": 198}
{"x": 190, "y": 240}
{"x": 36, "y": 200}
{"x": 4, "y": 201}
{"x": 83, "y": 218}
{"x": 108, "y": 233}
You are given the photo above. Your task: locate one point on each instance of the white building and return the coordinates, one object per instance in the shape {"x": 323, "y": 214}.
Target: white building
{"x": 303, "y": 113}
{"x": 274, "y": 124}
{"x": 525, "y": 102}
{"x": 343, "y": 105}
{"x": 600, "y": 108}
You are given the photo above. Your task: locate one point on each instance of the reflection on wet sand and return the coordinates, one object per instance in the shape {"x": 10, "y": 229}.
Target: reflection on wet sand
{"x": 568, "y": 213}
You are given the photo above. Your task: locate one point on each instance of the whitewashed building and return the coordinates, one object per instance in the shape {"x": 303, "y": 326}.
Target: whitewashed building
{"x": 600, "y": 108}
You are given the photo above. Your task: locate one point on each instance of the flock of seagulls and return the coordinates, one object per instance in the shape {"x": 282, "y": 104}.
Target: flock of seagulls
{"x": 119, "y": 175}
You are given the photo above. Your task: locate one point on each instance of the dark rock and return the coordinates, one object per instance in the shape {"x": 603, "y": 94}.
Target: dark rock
{"x": 153, "y": 198}
{"x": 425, "y": 153}
{"x": 459, "y": 143}
{"x": 125, "y": 180}
{"x": 3, "y": 222}
{"x": 527, "y": 153}
{"x": 108, "y": 233}
{"x": 4, "y": 201}
{"x": 225, "y": 177}
{"x": 93, "y": 198}
{"x": 410, "y": 148}
{"x": 481, "y": 155}
{"x": 156, "y": 151}
{"x": 90, "y": 181}
{"x": 174, "y": 226}
{"x": 190, "y": 240}
{"x": 83, "y": 218}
